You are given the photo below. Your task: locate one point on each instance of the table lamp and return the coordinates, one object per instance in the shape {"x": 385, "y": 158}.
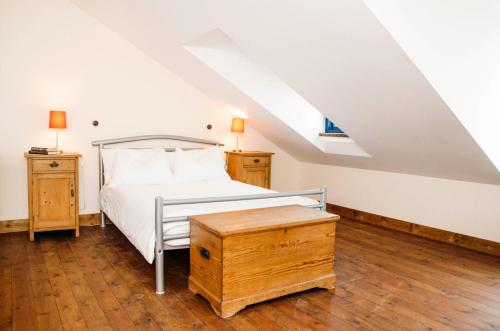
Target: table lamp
{"x": 237, "y": 126}
{"x": 57, "y": 120}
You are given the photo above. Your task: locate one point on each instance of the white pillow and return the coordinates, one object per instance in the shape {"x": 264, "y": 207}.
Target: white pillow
{"x": 171, "y": 160}
{"x": 199, "y": 165}
{"x": 108, "y": 160}
{"x": 142, "y": 166}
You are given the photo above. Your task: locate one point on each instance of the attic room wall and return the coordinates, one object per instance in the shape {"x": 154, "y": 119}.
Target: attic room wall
{"x": 462, "y": 207}
{"x": 342, "y": 78}
{"x": 456, "y": 45}
{"x": 56, "y": 57}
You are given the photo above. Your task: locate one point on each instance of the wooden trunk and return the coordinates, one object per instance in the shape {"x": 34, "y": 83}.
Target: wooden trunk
{"x": 244, "y": 257}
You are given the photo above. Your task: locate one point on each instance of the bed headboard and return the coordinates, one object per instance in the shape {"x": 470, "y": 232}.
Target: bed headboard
{"x": 106, "y": 142}
{"x": 154, "y": 137}
{"x": 102, "y": 143}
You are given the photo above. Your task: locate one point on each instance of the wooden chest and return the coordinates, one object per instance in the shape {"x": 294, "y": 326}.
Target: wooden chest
{"x": 244, "y": 257}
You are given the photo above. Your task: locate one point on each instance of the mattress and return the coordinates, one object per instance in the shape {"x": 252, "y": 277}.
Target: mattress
{"x": 132, "y": 207}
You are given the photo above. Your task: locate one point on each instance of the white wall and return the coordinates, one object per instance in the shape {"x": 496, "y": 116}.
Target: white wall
{"x": 456, "y": 45}
{"x": 463, "y": 207}
{"x": 360, "y": 77}
{"x": 53, "y": 56}
{"x": 216, "y": 50}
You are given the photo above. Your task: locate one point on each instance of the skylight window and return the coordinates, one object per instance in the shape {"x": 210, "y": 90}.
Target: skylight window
{"x": 332, "y": 130}
{"x": 265, "y": 88}
{"x": 330, "y": 127}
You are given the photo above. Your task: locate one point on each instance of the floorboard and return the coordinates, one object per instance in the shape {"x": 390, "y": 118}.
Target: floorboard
{"x": 5, "y": 284}
{"x": 386, "y": 280}
{"x": 23, "y": 307}
{"x": 47, "y": 313}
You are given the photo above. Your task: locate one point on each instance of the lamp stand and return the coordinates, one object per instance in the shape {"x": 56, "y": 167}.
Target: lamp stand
{"x": 237, "y": 144}
{"x": 56, "y": 149}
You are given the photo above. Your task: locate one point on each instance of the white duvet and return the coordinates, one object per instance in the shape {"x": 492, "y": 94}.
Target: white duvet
{"x": 132, "y": 207}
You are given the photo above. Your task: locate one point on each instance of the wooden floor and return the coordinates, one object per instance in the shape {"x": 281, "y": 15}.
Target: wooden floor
{"x": 386, "y": 281}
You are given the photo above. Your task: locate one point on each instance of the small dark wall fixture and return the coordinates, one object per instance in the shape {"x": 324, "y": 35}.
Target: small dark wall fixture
{"x": 209, "y": 126}
{"x": 95, "y": 123}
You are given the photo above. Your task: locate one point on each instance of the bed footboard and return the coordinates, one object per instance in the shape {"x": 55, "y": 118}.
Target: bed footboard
{"x": 160, "y": 219}
{"x": 159, "y": 264}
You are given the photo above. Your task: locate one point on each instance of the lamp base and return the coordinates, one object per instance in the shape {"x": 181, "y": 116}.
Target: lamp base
{"x": 237, "y": 150}
{"x": 54, "y": 150}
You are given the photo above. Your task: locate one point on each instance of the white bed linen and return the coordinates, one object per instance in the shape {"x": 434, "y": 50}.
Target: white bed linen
{"x": 132, "y": 207}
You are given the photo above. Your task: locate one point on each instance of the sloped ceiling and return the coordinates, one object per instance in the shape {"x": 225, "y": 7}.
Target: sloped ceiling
{"x": 335, "y": 54}
{"x": 456, "y": 45}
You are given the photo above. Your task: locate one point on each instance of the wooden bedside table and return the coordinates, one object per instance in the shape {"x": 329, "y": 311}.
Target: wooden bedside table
{"x": 251, "y": 167}
{"x": 53, "y": 192}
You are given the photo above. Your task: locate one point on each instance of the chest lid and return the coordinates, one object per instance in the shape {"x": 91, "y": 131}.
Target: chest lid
{"x": 261, "y": 219}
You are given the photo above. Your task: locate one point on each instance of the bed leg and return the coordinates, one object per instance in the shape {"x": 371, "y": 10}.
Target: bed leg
{"x": 323, "y": 198}
{"x": 103, "y": 220}
{"x": 160, "y": 273}
{"x": 159, "y": 263}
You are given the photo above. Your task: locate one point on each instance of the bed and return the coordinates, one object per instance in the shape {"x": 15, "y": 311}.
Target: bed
{"x": 154, "y": 217}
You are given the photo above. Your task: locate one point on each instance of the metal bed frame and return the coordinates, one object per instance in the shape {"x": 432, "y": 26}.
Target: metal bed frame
{"x": 160, "y": 239}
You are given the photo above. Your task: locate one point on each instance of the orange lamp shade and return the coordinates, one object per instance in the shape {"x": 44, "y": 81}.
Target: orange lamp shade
{"x": 238, "y": 125}
{"x": 57, "y": 119}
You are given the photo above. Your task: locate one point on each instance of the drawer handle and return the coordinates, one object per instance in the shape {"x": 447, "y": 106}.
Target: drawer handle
{"x": 54, "y": 164}
{"x": 256, "y": 160}
{"x": 72, "y": 192}
{"x": 204, "y": 253}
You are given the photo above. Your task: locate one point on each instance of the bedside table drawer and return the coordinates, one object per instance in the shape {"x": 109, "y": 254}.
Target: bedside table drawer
{"x": 55, "y": 165}
{"x": 255, "y": 161}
